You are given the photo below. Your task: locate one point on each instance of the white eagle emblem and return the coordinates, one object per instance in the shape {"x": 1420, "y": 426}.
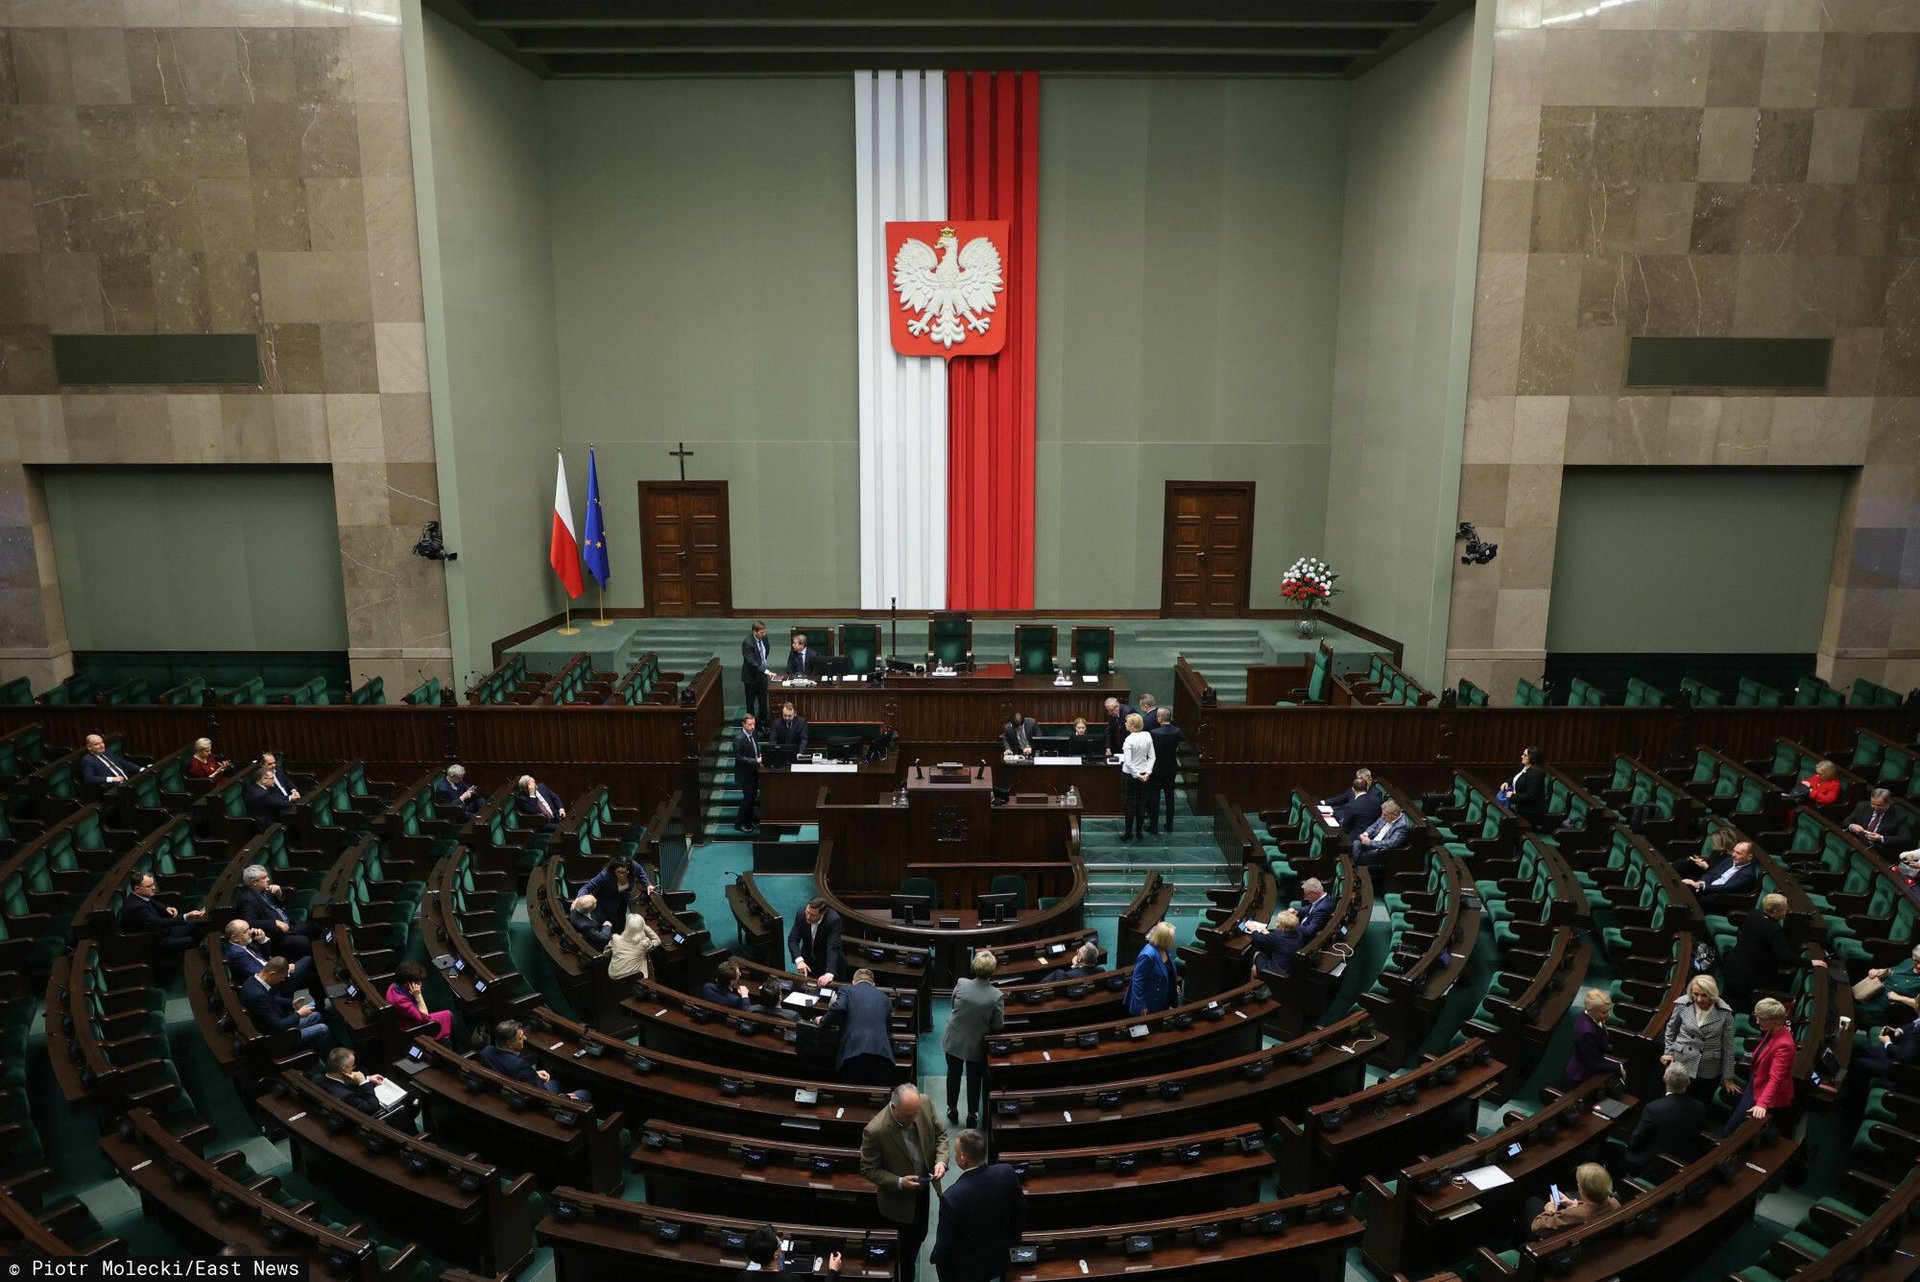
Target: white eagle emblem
{"x": 944, "y": 287}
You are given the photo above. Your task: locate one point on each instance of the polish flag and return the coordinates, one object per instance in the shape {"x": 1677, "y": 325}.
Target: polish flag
{"x": 563, "y": 553}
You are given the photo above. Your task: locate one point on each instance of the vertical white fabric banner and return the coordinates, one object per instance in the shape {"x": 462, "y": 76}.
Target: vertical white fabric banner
{"x": 900, "y": 149}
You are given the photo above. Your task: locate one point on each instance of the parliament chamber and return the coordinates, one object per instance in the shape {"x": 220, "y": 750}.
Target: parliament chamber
{"x": 1204, "y": 640}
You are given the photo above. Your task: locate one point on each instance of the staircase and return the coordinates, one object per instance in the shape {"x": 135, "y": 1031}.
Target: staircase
{"x": 1188, "y": 858}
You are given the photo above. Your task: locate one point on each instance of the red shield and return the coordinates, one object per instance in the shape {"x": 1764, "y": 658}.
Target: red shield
{"x": 947, "y": 286}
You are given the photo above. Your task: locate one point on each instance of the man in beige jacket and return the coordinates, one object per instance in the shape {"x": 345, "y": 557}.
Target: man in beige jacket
{"x": 904, "y": 1153}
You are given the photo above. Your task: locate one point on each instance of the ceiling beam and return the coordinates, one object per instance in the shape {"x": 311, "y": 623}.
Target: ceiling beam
{"x": 956, "y": 13}
{"x": 1058, "y": 62}
{"x": 961, "y": 44}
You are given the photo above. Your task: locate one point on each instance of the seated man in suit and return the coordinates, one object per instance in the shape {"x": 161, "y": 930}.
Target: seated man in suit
{"x": 1086, "y": 961}
{"x": 344, "y": 1082}
{"x": 535, "y": 801}
{"x": 789, "y": 729}
{"x": 142, "y": 910}
{"x": 269, "y": 797}
{"x": 814, "y": 942}
{"x": 1274, "y": 945}
{"x": 1731, "y": 882}
{"x": 1877, "y": 822}
{"x": 860, "y": 1011}
{"x": 1892, "y": 1044}
{"x": 1016, "y": 737}
{"x": 245, "y": 950}
{"x": 802, "y": 662}
{"x": 267, "y": 1004}
{"x": 982, "y": 1214}
{"x": 1386, "y": 833}
{"x": 260, "y": 904}
{"x": 1670, "y": 1125}
{"x": 728, "y": 987}
{"x": 584, "y": 915}
{"x": 104, "y": 768}
{"x": 506, "y": 1055}
{"x": 1356, "y": 808}
{"x": 452, "y": 789}
{"x": 1316, "y": 907}
{"x": 764, "y": 1257}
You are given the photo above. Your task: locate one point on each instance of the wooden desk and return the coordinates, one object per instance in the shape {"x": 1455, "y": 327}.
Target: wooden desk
{"x": 688, "y": 1168}
{"x": 941, "y": 824}
{"x": 1098, "y": 782}
{"x": 1310, "y": 1246}
{"x": 963, "y": 712}
{"x": 788, "y": 793}
{"x": 1211, "y": 1029}
{"x": 1207, "y": 1171}
{"x": 605, "y": 1239}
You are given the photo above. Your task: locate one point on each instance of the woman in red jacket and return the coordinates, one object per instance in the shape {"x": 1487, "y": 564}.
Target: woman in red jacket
{"x": 1821, "y": 788}
{"x": 1769, "y": 1089}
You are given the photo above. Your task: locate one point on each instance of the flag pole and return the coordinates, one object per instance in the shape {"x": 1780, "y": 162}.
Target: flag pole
{"x": 569, "y": 630}
{"x": 603, "y": 621}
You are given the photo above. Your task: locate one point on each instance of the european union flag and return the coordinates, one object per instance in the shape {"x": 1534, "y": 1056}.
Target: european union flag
{"x": 593, "y": 548}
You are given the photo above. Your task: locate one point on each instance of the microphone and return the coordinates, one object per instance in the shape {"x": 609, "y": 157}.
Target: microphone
{"x": 980, "y": 771}
{"x": 918, "y": 773}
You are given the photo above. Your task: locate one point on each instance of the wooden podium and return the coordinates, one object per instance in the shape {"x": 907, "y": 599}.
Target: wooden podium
{"x": 949, "y": 813}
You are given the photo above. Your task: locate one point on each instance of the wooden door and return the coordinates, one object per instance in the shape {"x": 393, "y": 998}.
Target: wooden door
{"x": 685, "y": 547}
{"x": 1207, "y": 551}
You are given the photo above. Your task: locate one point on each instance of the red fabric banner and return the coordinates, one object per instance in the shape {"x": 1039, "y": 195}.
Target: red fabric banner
{"x": 993, "y": 172}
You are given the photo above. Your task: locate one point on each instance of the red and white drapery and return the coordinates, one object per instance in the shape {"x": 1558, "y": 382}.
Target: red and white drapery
{"x": 947, "y": 447}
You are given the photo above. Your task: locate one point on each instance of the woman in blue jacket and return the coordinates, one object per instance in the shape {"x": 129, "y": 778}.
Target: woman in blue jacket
{"x": 1153, "y": 977}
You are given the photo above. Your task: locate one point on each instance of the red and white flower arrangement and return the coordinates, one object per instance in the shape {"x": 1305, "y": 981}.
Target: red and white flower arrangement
{"x": 1308, "y": 583}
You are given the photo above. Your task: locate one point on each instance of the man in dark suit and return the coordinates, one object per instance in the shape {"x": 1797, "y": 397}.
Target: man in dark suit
{"x": 1356, "y": 808}
{"x": 356, "y": 1089}
{"x": 860, "y": 1011}
{"x": 1669, "y": 1125}
{"x": 1086, "y": 961}
{"x": 789, "y": 729}
{"x": 1016, "y": 737}
{"x": 452, "y": 790}
{"x": 1117, "y": 714}
{"x": 142, "y": 910}
{"x": 267, "y": 1004}
{"x": 728, "y": 988}
{"x": 269, "y": 797}
{"x": 583, "y": 914}
{"x": 1731, "y": 882}
{"x": 538, "y": 803}
{"x": 1388, "y": 832}
{"x": 1760, "y": 957}
{"x": 802, "y": 662}
{"x": 746, "y": 773}
{"x": 506, "y": 1055}
{"x": 245, "y": 950}
{"x": 1878, "y": 823}
{"x": 753, "y": 669}
{"x": 105, "y": 768}
{"x": 982, "y": 1214}
{"x": 1893, "y": 1044}
{"x": 1316, "y": 907}
{"x": 764, "y": 1256}
{"x": 814, "y": 942}
{"x": 1166, "y": 773}
{"x": 259, "y": 903}
{"x": 1151, "y": 713}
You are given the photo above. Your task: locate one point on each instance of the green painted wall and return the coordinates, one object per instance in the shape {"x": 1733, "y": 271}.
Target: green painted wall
{"x": 1189, "y": 271}
{"x": 703, "y": 259}
{"x": 1693, "y": 560}
{"x": 193, "y": 558}
{"x": 1400, "y": 374}
{"x": 480, "y": 178}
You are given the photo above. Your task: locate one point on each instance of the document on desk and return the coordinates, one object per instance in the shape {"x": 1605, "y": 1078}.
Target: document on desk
{"x": 823, "y": 768}
{"x": 805, "y": 1001}
{"x": 1486, "y": 1177}
{"x": 1041, "y": 759}
{"x": 1465, "y": 1208}
{"x": 389, "y": 1094}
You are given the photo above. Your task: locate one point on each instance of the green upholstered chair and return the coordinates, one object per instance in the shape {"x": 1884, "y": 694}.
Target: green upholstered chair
{"x": 1092, "y": 650}
{"x": 424, "y": 695}
{"x": 1033, "y": 648}
{"x": 949, "y": 639}
{"x": 860, "y": 644}
{"x": 373, "y": 693}
{"x": 1471, "y": 695}
{"x": 819, "y": 639}
{"x": 1010, "y": 884}
{"x": 18, "y": 690}
{"x": 921, "y": 886}
{"x": 1703, "y": 695}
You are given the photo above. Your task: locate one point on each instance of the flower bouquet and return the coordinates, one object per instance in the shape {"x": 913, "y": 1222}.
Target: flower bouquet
{"x": 1308, "y": 584}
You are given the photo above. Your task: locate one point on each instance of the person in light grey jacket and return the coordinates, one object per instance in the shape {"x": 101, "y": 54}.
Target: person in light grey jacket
{"x": 978, "y": 1009}
{"x": 1700, "y": 1039}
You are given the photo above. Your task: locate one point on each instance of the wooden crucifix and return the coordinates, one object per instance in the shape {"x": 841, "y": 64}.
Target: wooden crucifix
{"x": 683, "y": 454}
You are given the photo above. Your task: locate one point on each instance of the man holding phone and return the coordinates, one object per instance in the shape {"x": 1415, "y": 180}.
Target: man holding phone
{"x": 903, "y": 1153}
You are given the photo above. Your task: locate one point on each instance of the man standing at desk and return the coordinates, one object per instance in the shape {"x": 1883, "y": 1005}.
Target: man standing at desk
{"x": 802, "y": 662}
{"x": 746, "y": 773}
{"x": 1166, "y": 772}
{"x": 903, "y": 1153}
{"x": 789, "y": 729}
{"x": 814, "y": 942}
{"x": 753, "y": 669}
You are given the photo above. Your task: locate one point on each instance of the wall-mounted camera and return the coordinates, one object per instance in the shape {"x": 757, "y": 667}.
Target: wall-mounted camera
{"x": 430, "y": 545}
{"x": 1478, "y": 550}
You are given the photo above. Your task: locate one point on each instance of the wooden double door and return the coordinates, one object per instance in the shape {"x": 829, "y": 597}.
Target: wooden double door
{"x": 686, "y": 548}
{"x": 1208, "y": 548}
